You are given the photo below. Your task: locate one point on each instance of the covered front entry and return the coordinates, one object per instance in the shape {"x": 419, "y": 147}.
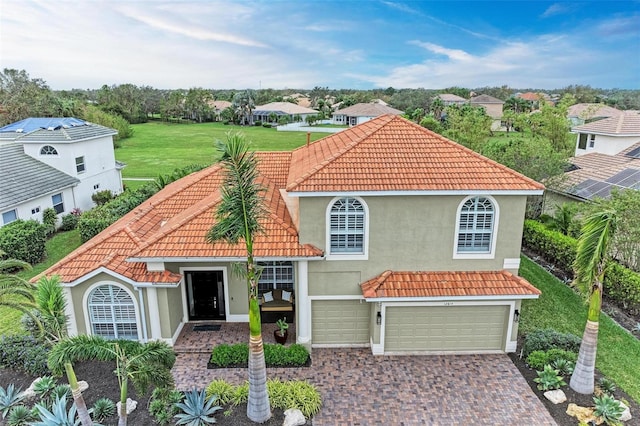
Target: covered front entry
{"x": 445, "y": 328}
{"x": 340, "y": 322}
{"x": 205, "y": 295}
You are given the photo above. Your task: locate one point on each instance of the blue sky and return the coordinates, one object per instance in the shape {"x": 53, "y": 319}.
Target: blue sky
{"x": 339, "y": 44}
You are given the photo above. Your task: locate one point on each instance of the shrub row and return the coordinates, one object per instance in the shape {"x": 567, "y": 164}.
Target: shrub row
{"x": 283, "y": 395}
{"x": 621, "y": 284}
{"x": 274, "y": 355}
{"x": 538, "y": 359}
{"x": 24, "y": 353}
{"x": 24, "y": 240}
{"x": 546, "y": 339}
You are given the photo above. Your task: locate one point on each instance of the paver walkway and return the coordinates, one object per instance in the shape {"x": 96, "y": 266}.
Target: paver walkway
{"x": 358, "y": 388}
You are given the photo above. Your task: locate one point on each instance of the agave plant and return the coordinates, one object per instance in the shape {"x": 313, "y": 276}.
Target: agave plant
{"x": 44, "y": 387}
{"x": 608, "y": 409}
{"x": 8, "y": 398}
{"x": 103, "y": 408}
{"x": 58, "y": 416}
{"x": 197, "y": 410}
{"x": 20, "y": 415}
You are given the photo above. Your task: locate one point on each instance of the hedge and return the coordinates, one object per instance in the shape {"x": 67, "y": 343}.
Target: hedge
{"x": 621, "y": 284}
{"x": 24, "y": 240}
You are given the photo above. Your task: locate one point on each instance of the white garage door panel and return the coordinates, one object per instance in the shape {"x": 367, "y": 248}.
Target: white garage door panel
{"x": 340, "y": 322}
{"x": 445, "y": 328}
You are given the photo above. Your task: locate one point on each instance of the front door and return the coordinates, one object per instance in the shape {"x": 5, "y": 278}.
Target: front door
{"x": 205, "y": 295}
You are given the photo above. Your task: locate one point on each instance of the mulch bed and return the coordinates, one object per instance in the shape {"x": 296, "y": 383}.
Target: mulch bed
{"x": 104, "y": 384}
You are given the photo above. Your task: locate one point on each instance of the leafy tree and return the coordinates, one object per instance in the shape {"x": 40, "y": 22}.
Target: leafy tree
{"x": 173, "y": 106}
{"x": 552, "y": 123}
{"x": 437, "y": 108}
{"x": 517, "y": 105}
{"x": 124, "y": 100}
{"x": 197, "y": 104}
{"x": 22, "y": 96}
{"x": 238, "y": 218}
{"x": 96, "y": 115}
{"x": 429, "y": 122}
{"x": 468, "y": 125}
{"x": 244, "y": 103}
{"x": 590, "y": 264}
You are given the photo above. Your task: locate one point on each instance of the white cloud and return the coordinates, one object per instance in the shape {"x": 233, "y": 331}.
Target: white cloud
{"x": 556, "y": 9}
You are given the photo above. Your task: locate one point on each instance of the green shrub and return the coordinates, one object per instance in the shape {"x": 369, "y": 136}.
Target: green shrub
{"x": 69, "y": 222}
{"x": 24, "y": 240}
{"x": 622, "y": 285}
{"x": 545, "y": 339}
{"x": 222, "y": 389}
{"x": 240, "y": 394}
{"x": 607, "y": 385}
{"x": 162, "y": 404}
{"x": 267, "y": 125}
{"x": 274, "y": 355}
{"x": 24, "y": 353}
{"x": 102, "y": 197}
{"x": 556, "y": 247}
{"x": 538, "y": 359}
{"x": 49, "y": 220}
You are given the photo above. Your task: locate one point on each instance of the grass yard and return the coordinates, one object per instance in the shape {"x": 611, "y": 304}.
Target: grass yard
{"x": 58, "y": 247}
{"x": 159, "y": 148}
{"x": 562, "y": 309}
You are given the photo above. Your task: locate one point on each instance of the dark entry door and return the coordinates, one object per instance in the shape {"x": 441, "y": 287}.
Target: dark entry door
{"x": 205, "y": 295}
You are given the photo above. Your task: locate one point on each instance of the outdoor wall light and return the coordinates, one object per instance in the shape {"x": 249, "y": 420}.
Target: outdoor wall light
{"x": 516, "y": 315}
{"x": 379, "y": 318}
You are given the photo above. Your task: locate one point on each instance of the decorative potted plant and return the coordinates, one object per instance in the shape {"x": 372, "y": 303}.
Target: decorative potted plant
{"x": 281, "y": 333}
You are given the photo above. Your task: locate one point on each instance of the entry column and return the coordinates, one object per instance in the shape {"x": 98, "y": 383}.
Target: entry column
{"x": 303, "y": 305}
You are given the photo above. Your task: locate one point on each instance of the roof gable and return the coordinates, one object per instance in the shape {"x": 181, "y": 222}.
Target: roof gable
{"x": 485, "y": 99}
{"x": 390, "y": 153}
{"x": 625, "y": 124}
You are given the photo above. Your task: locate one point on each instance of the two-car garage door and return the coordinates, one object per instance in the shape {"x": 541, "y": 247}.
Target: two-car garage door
{"x": 445, "y": 328}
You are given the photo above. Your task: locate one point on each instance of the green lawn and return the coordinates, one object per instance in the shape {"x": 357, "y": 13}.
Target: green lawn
{"x": 562, "y": 309}
{"x": 159, "y": 148}
{"x": 58, "y": 247}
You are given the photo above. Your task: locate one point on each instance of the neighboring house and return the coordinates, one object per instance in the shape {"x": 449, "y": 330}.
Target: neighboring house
{"x": 217, "y": 107}
{"x": 535, "y": 99}
{"x": 263, "y": 112}
{"x": 54, "y": 162}
{"x": 451, "y": 99}
{"x": 390, "y": 236}
{"x": 595, "y": 175}
{"x": 492, "y": 106}
{"x": 579, "y": 114}
{"x": 608, "y": 136}
{"x": 300, "y": 99}
{"x": 362, "y": 112}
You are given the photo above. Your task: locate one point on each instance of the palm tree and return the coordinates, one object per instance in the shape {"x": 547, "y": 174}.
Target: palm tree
{"x": 141, "y": 364}
{"x": 237, "y": 218}
{"x": 590, "y": 265}
{"x": 51, "y": 304}
{"x": 16, "y": 292}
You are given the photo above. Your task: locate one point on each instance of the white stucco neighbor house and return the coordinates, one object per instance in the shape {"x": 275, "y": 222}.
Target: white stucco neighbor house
{"x": 54, "y": 163}
{"x": 362, "y": 112}
{"x": 608, "y": 136}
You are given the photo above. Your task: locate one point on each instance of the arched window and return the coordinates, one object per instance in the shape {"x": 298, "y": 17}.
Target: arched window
{"x": 476, "y": 226}
{"x": 347, "y": 225}
{"x": 48, "y": 150}
{"x": 112, "y": 313}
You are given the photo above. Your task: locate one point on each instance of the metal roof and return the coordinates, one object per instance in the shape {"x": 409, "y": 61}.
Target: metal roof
{"x": 23, "y": 178}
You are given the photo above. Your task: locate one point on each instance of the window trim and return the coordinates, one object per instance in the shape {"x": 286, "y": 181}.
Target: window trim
{"x": 592, "y": 141}
{"x": 82, "y": 166}
{"x": 53, "y": 153}
{"x": 364, "y": 255}
{"x": 273, "y": 284}
{"x": 15, "y": 213}
{"x": 494, "y": 231}
{"x": 61, "y": 203}
{"x": 87, "y": 314}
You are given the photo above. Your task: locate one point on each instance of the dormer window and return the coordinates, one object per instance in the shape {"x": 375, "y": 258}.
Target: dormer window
{"x": 48, "y": 150}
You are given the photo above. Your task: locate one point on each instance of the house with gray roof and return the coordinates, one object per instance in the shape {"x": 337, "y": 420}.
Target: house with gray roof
{"x": 54, "y": 163}
{"x": 289, "y": 109}
{"x": 492, "y": 106}
{"x": 362, "y": 112}
{"x": 608, "y": 136}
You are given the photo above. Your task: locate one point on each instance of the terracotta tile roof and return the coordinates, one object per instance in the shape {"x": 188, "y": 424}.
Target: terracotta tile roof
{"x": 625, "y": 124}
{"x": 368, "y": 110}
{"x": 394, "y": 154}
{"x": 173, "y": 223}
{"x": 447, "y": 284}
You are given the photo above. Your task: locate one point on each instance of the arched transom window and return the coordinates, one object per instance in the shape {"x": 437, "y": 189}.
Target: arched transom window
{"x": 48, "y": 150}
{"x": 112, "y": 313}
{"x": 475, "y": 226}
{"x": 347, "y": 226}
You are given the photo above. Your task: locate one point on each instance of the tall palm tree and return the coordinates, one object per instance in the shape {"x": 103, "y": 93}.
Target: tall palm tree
{"x": 51, "y": 304}
{"x": 16, "y": 292}
{"x": 237, "y": 218}
{"x": 141, "y": 364}
{"x": 590, "y": 267}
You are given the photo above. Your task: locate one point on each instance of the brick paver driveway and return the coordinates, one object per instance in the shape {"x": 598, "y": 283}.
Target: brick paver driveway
{"x": 360, "y": 389}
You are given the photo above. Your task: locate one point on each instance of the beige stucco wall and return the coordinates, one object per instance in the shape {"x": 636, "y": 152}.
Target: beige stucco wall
{"x": 406, "y": 233}
{"x": 170, "y": 310}
{"x": 552, "y": 200}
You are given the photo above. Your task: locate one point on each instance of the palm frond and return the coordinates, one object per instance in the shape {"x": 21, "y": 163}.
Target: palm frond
{"x": 79, "y": 348}
{"x": 593, "y": 244}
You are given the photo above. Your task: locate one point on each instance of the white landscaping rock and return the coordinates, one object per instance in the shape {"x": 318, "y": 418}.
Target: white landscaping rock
{"x": 29, "y": 392}
{"x": 131, "y": 405}
{"x": 294, "y": 417}
{"x": 626, "y": 415}
{"x": 83, "y": 385}
{"x": 555, "y": 396}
